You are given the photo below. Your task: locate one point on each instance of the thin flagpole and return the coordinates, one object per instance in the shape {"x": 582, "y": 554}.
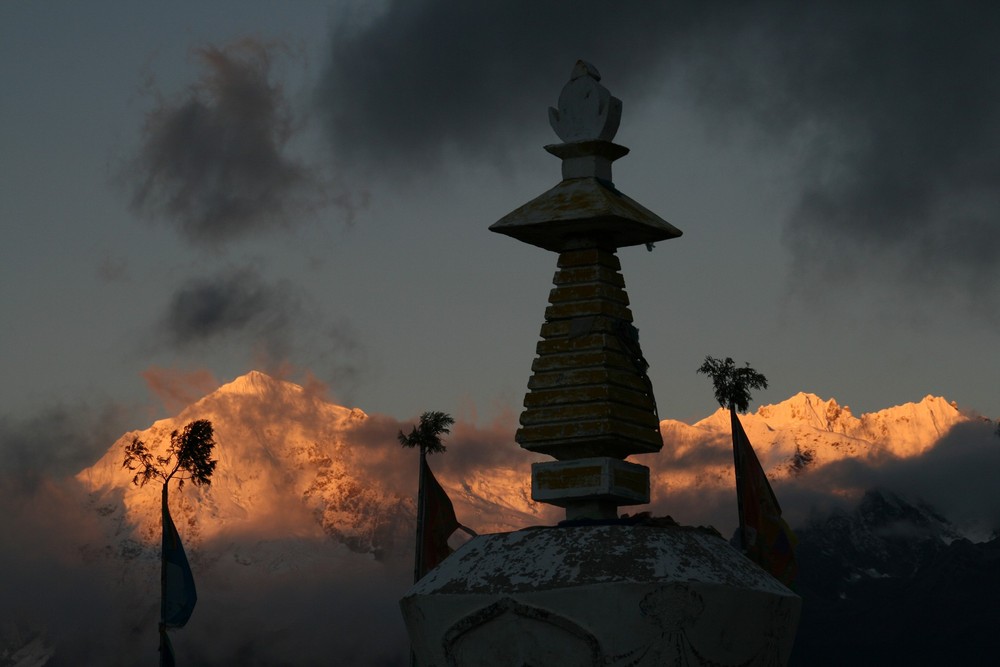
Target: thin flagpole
{"x": 163, "y": 577}
{"x": 418, "y": 557}
{"x": 744, "y": 543}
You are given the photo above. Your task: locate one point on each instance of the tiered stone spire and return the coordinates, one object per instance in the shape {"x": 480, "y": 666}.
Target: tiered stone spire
{"x": 590, "y": 403}
{"x": 638, "y": 591}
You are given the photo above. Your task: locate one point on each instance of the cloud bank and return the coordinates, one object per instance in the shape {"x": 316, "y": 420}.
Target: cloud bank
{"x": 890, "y": 110}
{"x": 273, "y": 320}
{"x": 215, "y": 161}
{"x": 301, "y": 612}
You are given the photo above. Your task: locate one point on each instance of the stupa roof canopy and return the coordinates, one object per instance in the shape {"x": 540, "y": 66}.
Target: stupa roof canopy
{"x": 585, "y": 205}
{"x": 584, "y": 208}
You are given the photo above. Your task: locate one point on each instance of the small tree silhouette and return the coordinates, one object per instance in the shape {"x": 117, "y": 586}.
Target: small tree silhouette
{"x": 189, "y": 457}
{"x": 427, "y": 437}
{"x": 427, "y": 434}
{"x": 732, "y": 385}
{"x": 192, "y": 449}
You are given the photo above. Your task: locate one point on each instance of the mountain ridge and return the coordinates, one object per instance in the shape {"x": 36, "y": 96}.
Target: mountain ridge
{"x": 311, "y": 512}
{"x": 284, "y": 450}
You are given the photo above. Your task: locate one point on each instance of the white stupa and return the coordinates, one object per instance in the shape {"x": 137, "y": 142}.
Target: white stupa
{"x": 596, "y": 589}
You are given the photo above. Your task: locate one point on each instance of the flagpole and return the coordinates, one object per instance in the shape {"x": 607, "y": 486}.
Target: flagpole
{"x": 163, "y": 575}
{"x": 418, "y": 557}
{"x": 418, "y": 554}
{"x": 744, "y": 542}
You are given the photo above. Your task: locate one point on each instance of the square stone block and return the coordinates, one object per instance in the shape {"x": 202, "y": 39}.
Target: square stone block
{"x": 601, "y": 478}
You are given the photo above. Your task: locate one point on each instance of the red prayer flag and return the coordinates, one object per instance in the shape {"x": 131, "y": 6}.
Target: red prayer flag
{"x": 767, "y": 539}
{"x": 438, "y": 525}
{"x": 177, "y": 591}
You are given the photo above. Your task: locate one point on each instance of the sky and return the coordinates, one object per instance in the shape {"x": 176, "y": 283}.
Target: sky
{"x": 194, "y": 190}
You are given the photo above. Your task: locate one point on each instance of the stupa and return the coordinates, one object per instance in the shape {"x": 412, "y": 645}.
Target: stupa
{"x": 596, "y": 589}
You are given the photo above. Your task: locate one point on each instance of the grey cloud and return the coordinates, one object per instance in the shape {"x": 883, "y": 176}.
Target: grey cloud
{"x": 55, "y": 441}
{"x": 891, "y": 109}
{"x": 433, "y": 75}
{"x": 66, "y": 583}
{"x": 215, "y": 163}
{"x": 957, "y": 476}
{"x": 273, "y": 320}
{"x": 901, "y": 109}
{"x": 235, "y": 302}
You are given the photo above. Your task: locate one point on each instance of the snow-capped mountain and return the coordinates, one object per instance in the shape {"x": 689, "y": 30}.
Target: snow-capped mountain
{"x": 801, "y": 433}
{"x": 892, "y": 582}
{"x": 308, "y": 521}
{"x": 285, "y": 468}
{"x": 291, "y": 464}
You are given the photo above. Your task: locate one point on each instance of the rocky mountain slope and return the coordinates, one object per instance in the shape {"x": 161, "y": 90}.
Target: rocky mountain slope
{"x": 802, "y": 433}
{"x": 291, "y": 464}
{"x": 892, "y": 582}
{"x": 310, "y": 513}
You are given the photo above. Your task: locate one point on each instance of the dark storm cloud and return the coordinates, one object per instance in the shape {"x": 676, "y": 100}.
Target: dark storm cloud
{"x": 437, "y": 74}
{"x": 958, "y": 476}
{"x": 891, "y": 109}
{"x": 898, "y": 105}
{"x": 56, "y": 441}
{"x": 215, "y": 163}
{"x": 177, "y": 388}
{"x": 237, "y": 302}
{"x": 274, "y": 322}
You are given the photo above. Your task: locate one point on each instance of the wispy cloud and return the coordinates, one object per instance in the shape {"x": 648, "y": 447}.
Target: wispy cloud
{"x": 177, "y": 388}
{"x": 56, "y": 440}
{"x": 233, "y": 302}
{"x": 430, "y": 78}
{"x": 215, "y": 161}
{"x": 270, "y": 322}
{"x": 890, "y": 111}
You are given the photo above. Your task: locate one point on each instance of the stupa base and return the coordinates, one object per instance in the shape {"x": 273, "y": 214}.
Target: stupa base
{"x": 600, "y": 595}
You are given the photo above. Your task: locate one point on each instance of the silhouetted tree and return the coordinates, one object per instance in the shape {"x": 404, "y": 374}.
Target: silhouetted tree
{"x": 764, "y": 535}
{"x": 732, "y": 384}
{"x": 189, "y": 457}
{"x": 427, "y": 437}
{"x": 427, "y": 434}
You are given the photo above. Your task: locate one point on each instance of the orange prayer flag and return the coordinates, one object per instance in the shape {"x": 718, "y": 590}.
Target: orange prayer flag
{"x": 766, "y": 537}
{"x": 439, "y": 523}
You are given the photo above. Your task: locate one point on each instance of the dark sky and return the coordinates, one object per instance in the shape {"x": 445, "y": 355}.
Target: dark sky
{"x": 194, "y": 190}
{"x": 307, "y": 191}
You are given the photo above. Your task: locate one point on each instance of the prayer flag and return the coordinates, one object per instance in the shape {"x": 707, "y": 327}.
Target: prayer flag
{"x": 439, "y": 522}
{"x": 766, "y": 537}
{"x": 177, "y": 594}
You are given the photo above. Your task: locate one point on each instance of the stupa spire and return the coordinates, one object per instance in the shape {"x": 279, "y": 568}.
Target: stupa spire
{"x": 641, "y": 591}
{"x": 590, "y": 403}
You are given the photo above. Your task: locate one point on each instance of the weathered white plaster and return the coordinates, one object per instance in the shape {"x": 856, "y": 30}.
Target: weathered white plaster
{"x": 600, "y": 595}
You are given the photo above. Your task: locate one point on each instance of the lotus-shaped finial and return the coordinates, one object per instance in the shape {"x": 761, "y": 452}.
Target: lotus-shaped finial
{"x": 587, "y": 111}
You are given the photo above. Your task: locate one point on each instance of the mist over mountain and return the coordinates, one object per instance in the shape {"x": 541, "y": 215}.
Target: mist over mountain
{"x": 893, "y": 582}
{"x": 302, "y": 543}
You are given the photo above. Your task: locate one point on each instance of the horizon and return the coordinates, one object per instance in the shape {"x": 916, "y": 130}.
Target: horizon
{"x": 804, "y": 252}
{"x": 255, "y": 529}
{"x": 169, "y": 392}
{"x": 191, "y": 190}
{"x": 926, "y": 443}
